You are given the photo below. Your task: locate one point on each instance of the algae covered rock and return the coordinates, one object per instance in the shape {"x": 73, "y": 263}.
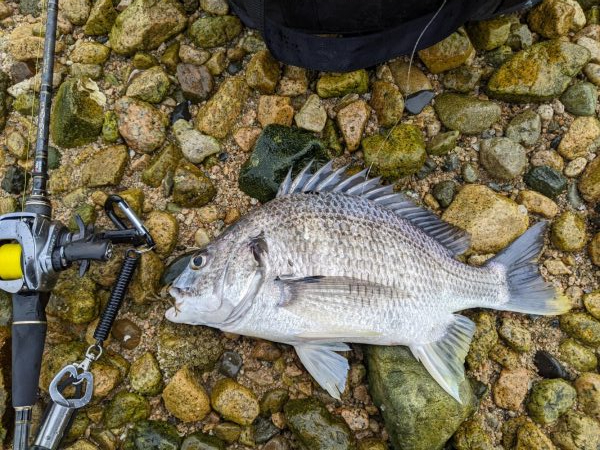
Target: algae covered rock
{"x": 234, "y": 401}
{"x": 125, "y": 408}
{"x": 418, "y": 413}
{"x": 146, "y": 24}
{"x": 147, "y": 434}
{"x": 192, "y": 188}
{"x": 106, "y": 167}
{"x": 145, "y": 375}
{"x": 340, "y": 84}
{"x": 576, "y": 431}
{"x": 589, "y": 185}
{"x": 78, "y": 113}
{"x": 539, "y": 73}
{"x": 399, "y": 153}
{"x": 568, "y": 232}
{"x": 277, "y": 149}
{"x": 101, "y": 19}
{"x": 74, "y": 299}
{"x": 185, "y": 398}
{"x": 218, "y": 115}
{"x": 315, "y": 427}
{"x": 449, "y": 53}
{"x": 466, "y": 114}
{"x": 212, "y": 31}
{"x": 550, "y": 399}
{"x": 581, "y": 326}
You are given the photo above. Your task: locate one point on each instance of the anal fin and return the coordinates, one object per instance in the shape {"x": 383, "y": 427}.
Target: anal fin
{"x": 444, "y": 359}
{"x": 328, "y": 368}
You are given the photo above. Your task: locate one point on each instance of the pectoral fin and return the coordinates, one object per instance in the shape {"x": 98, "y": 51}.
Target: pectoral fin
{"x": 444, "y": 359}
{"x": 328, "y": 368}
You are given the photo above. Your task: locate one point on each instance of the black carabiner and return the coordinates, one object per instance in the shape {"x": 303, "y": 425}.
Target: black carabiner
{"x": 140, "y": 230}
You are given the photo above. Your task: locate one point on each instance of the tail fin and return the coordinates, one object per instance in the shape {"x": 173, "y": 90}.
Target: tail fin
{"x": 528, "y": 291}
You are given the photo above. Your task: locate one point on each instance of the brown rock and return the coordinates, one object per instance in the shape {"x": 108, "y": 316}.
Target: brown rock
{"x": 352, "y": 120}
{"x": 537, "y": 203}
{"x": 589, "y": 184}
{"x": 142, "y": 126}
{"x": 246, "y": 137}
{"x": 185, "y": 397}
{"x": 583, "y": 137}
{"x": 196, "y": 82}
{"x": 409, "y": 78}
{"x": 262, "y": 72}
{"x": 594, "y": 249}
{"x": 275, "y": 109}
{"x": 511, "y": 388}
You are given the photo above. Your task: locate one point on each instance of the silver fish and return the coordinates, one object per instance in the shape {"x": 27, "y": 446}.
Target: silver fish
{"x": 336, "y": 259}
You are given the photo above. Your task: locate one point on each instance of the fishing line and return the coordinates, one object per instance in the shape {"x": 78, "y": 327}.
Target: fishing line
{"x": 410, "y": 64}
{"x": 43, "y": 23}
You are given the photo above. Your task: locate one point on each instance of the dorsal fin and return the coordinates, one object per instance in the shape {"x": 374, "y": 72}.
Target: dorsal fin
{"x": 326, "y": 179}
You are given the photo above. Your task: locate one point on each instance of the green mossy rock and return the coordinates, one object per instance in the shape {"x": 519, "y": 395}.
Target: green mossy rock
{"x": 340, "y": 84}
{"x": 449, "y": 53}
{"x": 466, "y": 114}
{"x": 125, "y": 408}
{"x": 581, "y": 99}
{"x": 105, "y": 168}
{"x": 315, "y": 427}
{"x": 581, "y": 326}
{"x": 192, "y": 188}
{"x": 213, "y": 31}
{"x": 145, "y": 375}
{"x": 568, "y": 232}
{"x": 234, "y": 402}
{"x": 101, "y": 19}
{"x": 396, "y": 154}
{"x": 589, "y": 184}
{"x": 74, "y": 299}
{"x": 61, "y": 355}
{"x": 110, "y": 127}
{"x": 202, "y": 441}
{"x": 577, "y": 432}
{"x": 146, "y": 24}
{"x": 472, "y": 436}
{"x": 152, "y": 434}
{"x": 277, "y": 149}
{"x": 78, "y": 113}
{"x": 161, "y": 164}
{"x": 578, "y": 356}
{"x": 490, "y": 34}
{"x": 540, "y": 73}
{"x": 418, "y": 413}
{"x": 150, "y": 86}
{"x": 549, "y": 399}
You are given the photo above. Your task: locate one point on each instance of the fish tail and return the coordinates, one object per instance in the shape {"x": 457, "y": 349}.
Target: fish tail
{"x": 528, "y": 292}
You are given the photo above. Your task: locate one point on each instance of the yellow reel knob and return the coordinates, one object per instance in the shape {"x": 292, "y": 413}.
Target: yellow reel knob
{"x": 10, "y": 262}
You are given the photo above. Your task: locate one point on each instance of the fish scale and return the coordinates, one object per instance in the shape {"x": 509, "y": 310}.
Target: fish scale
{"x": 355, "y": 262}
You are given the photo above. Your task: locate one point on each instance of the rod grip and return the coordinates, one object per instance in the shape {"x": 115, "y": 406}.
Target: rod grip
{"x": 28, "y": 336}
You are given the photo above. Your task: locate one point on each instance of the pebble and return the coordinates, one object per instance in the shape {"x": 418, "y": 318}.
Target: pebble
{"x": 312, "y": 116}
{"x": 579, "y": 357}
{"x": 582, "y": 137}
{"x": 537, "y": 203}
{"x": 503, "y": 158}
{"x": 192, "y": 188}
{"x": 581, "y": 99}
{"x": 568, "y": 232}
{"x": 264, "y": 430}
{"x": 549, "y": 399}
{"x": 194, "y": 145}
{"x": 337, "y": 85}
{"x": 387, "y": 102}
{"x": 127, "y": 332}
{"x": 449, "y": 53}
{"x": 591, "y": 302}
{"x": 466, "y": 114}
{"x": 575, "y": 167}
{"x": 525, "y": 128}
{"x": 352, "y": 120}
{"x": 228, "y": 431}
{"x": 214, "y": 31}
{"x": 234, "y": 402}
{"x": 217, "y": 7}
{"x": 145, "y": 375}
{"x": 589, "y": 183}
{"x": 442, "y": 143}
{"x": 185, "y": 398}
{"x": 511, "y": 388}
{"x": 275, "y": 109}
{"x": 517, "y": 336}
{"x": 416, "y": 102}
{"x": 546, "y": 112}
{"x": 581, "y": 326}
{"x": 142, "y": 126}
{"x": 577, "y": 431}
{"x": 157, "y": 434}
{"x": 469, "y": 173}
{"x": 588, "y": 394}
{"x": 548, "y": 366}
{"x": 444, "y": 192}
{"x": 410, "y": 79}
{"x": 546, "y": 180}
{"x": 230, "y": 364}
{"x": 196, "y": 82}
{"x": 262, "y": 72}
{"x": 273, "y": 401}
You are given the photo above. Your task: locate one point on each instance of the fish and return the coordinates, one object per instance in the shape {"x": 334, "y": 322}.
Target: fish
{"x": 337, "y": 259}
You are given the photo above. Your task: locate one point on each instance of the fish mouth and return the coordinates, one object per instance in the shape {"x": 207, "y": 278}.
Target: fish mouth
{"x": 175, "y": 292}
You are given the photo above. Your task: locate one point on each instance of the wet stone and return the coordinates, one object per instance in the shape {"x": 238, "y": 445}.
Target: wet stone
{"x": 125, "y": 408}
{"x": 577, "y": 432}
{"x": 105, "y": 168}
{"x": 578, "y": 356}
{"x": 449, "y": 53}
{"x": 442, "y": 143}
{"x": 214, "y": 31}
{"x": 511, "y": 388}
{"x": 588, "y": 393}
{"x": 202, "y": 441}
{"x": 387, "y": 102}
{"x": 262, "y": 72}
{"x": 463, "y": 79}
{"x": 581, "y": 99}
{"x": 581, "y": 326}
{"x": 471, "y": 436}
{"x": 417, "y": 101}
{"x": 549, "y": 400}
{"x": 525, "y": 128}
{"x": 444, "y": 192}
{"x": 150, "y": 86}
{"x": 315, "y": 427}
{"x": 568, "y": 232}
{"x": 230, "y": 364}
{"x": 591, "y": 302}
{"x": 228, "y": 431}
{"x": 264, "y": 430}
{"x": 163, "y": 163}
{"x": 338, "y": 85}
{"x": 466, "y": 114}
{"x": 277, "y": 149}
{"x": 546, "y": 180}
{"x": 273, "y": 401}
{"x": 192, "y": 188}
{"x": 156, "y": 434}
{"x": 503, "y": 158}
{"x": 548, "y": 366}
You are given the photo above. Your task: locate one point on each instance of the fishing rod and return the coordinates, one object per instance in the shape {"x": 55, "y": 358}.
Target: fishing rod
{"x": 34, "y": 249}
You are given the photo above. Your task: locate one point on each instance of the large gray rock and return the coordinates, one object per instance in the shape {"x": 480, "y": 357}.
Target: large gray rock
{"x": 503, "y": 158}
{"x": 418, "y": 413}
{"x": 466, "y": 114}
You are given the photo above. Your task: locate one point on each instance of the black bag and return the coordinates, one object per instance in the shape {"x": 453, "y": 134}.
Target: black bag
{"x": 365, "y": 32}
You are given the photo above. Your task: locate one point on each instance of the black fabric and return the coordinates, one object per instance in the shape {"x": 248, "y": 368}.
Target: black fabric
{"x": 344, "y": 35}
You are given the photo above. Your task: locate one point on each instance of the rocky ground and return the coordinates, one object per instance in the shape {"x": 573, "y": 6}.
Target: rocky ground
{"x": 182, "y": 110}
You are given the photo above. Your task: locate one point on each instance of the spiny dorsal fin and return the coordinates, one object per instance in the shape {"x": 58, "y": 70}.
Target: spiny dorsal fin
{"x": 326, "y": 179}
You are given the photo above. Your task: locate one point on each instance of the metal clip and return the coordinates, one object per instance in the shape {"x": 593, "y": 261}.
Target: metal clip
{"x": 62, "y": 409}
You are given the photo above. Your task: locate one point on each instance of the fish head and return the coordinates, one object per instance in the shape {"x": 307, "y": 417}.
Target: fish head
{"x": 217, "y": 280}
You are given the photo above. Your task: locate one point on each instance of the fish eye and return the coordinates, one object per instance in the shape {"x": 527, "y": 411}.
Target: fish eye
{"x": 198, "y": 262}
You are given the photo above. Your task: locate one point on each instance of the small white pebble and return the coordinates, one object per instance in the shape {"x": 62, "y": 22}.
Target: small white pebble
{"x": 546, "y": 112}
